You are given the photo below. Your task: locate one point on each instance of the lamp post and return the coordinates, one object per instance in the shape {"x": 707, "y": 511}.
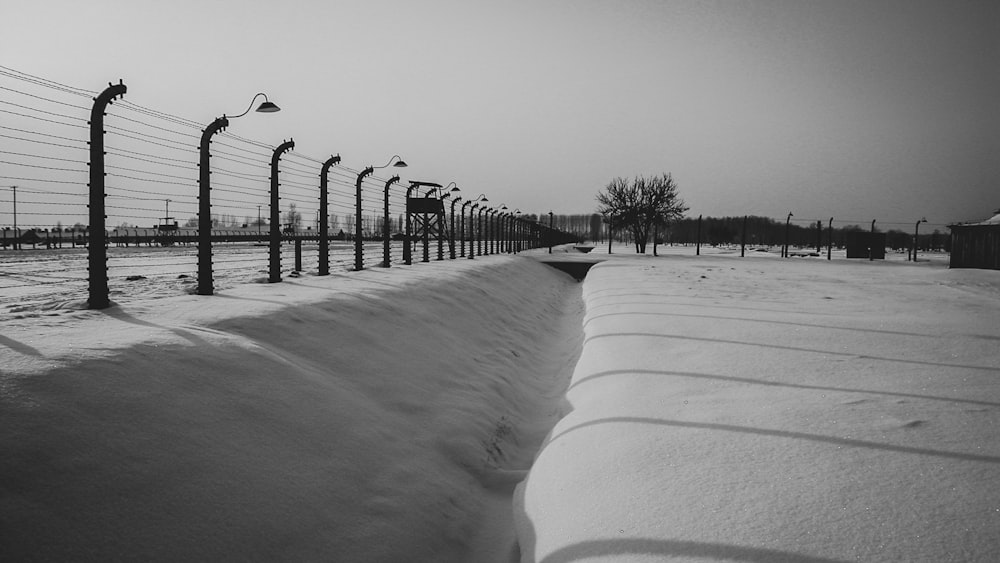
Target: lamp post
{"x": 784, "y": 251}
{"x": 550, "y": 231}
{"x": 324, "y": 227}
{"x": 871, "y": 243}
{"x": 829, "y": 243}
{"x": 916, "y": 233}
{"x": 359, "y": 263}
{"x": 611, "y": 230}
{"x": 205, "y": 286}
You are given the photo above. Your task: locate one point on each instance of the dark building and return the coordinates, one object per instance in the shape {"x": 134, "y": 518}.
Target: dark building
{"x": 976, "y": 245}
{"x": 863, "y": 244}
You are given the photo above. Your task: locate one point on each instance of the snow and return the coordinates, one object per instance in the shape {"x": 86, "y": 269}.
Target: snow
{"x": 778, "y": 410}
{"x": 382, "y": 415}
{"x": 681, "y": 407}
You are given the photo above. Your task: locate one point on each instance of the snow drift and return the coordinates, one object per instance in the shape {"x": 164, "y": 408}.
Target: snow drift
{"x": 383, "y": 415}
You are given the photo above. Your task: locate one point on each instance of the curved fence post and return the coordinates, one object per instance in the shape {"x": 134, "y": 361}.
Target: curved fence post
{"x": 97, "y": 253}
{"x": 324, "y": 241}
{"x": 275, "y": 251}
{"x": 386, "y": 235}
{"x": 205, "y": 285}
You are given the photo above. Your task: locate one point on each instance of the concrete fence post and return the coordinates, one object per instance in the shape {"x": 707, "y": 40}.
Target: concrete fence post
{"x": 97, "y": 253}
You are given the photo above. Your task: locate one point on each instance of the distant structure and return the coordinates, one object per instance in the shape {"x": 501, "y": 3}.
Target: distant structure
{"x": 976, "y": 245}
{"x": 862, "y": 244}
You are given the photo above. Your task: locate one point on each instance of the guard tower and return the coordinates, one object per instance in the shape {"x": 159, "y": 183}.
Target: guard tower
{"x": 426, "y": 215}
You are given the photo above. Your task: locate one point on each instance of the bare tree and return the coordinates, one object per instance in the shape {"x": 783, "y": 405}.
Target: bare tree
{"x": 641, "y": 206}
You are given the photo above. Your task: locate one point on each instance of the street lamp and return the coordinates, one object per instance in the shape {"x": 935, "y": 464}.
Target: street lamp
{"x": 784, "y": 251}
{"x": 871, "y": 243}
{"x": 550, "y": 231}
{"x": 205, "y": 286}
{"x": 358, "y": 250}
{"x": 916, "y": 231}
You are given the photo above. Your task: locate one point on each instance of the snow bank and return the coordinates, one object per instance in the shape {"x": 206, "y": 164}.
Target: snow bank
{"x": 775, "y": 410}
{"x": 382, "y": 415}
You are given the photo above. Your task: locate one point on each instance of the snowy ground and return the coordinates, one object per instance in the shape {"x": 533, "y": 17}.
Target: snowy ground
{"x": 691, "y": 408}
{"x": 775, "y": 410}
{"x": 382, "y": 415}
{"x": 43, "y": 278}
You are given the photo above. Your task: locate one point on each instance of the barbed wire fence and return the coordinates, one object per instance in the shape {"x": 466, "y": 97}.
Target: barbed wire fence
{"x": 151, "y": 201}
{"x": 151, "y": 196}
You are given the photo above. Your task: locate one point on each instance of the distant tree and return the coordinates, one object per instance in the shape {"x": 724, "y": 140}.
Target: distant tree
{"x": 641, "y": 206}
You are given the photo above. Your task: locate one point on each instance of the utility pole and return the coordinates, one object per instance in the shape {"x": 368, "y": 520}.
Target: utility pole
{"x": 17, "y": 244}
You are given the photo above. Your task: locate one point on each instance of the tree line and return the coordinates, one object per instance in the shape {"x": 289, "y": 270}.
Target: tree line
{"x": 650, "y": 209}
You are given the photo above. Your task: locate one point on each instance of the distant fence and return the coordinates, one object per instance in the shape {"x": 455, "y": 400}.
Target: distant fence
{"x": 107, "y": 165}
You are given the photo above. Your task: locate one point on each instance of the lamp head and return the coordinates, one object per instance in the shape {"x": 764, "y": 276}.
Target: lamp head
{"x": 400, "y": 164}
{"x": 268, "y": 107}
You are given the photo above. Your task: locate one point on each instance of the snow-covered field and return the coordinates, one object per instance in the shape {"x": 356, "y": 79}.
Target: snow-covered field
{"x": 671, "y": 408}
{"x": 41, "y": 278}
{"x": 729, "y": 409}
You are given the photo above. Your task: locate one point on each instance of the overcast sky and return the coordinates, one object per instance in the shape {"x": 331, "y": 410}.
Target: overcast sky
{"x": 856, "y": 110}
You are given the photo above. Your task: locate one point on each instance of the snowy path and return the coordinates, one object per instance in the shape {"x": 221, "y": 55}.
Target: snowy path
{"x": 775, "y": 410}
{"x": 382, "y": 415}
